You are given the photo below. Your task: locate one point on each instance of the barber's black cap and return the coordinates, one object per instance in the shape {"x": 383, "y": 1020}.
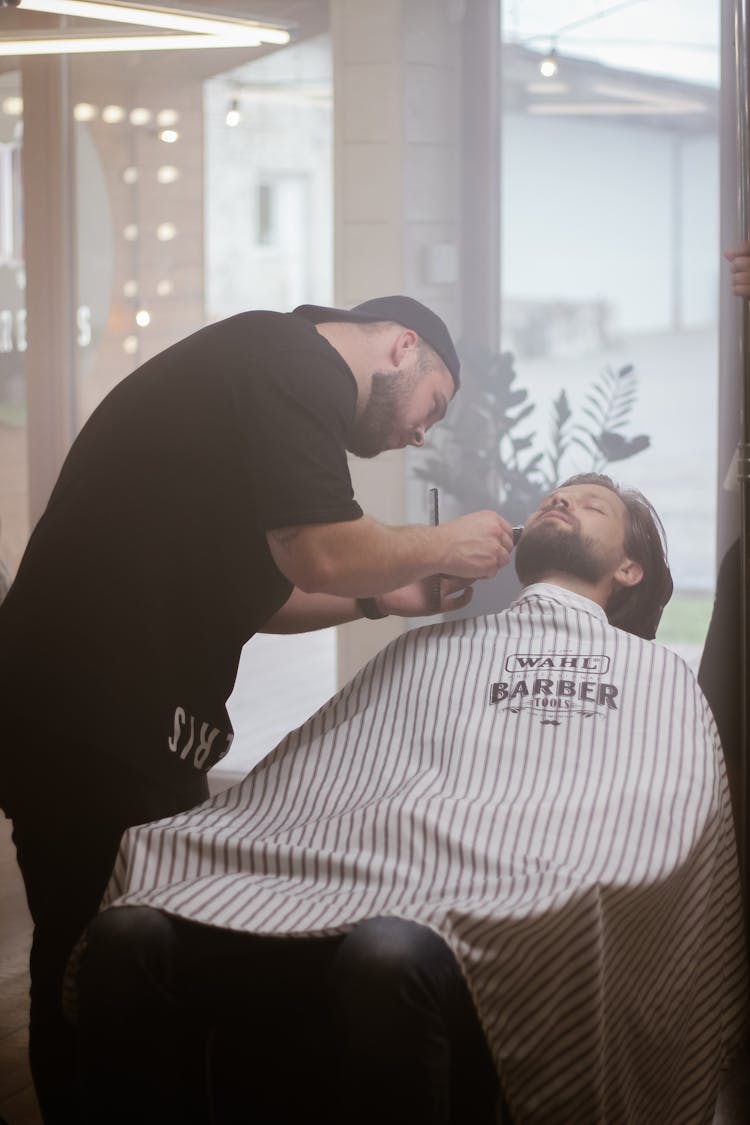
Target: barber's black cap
{"x": 403, "y": 310}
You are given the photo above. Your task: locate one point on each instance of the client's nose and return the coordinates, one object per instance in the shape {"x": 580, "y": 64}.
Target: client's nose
{"x": 560, "y": 502}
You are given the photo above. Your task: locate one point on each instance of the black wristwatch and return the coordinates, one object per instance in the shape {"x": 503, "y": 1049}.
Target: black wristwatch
{"x": 369, "y": 608}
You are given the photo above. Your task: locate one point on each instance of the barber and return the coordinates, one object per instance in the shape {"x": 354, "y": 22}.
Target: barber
{"x": 207, "y": 498}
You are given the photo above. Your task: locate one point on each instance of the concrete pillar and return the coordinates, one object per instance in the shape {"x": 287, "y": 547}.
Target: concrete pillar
{"x": 480, "y": 174}
{"x": 396, "y": 74}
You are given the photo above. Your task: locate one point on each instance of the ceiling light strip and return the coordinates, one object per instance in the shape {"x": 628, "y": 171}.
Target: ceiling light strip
{"x": 92, "y": 44}
{"x": 159, "y": 18}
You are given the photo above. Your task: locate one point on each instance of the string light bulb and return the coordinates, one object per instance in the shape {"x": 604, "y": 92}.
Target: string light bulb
{"x": 166, "y": 118}
{"x": 548, "y": 65}
{"x": 232, "y": 118}
{"x": 84, "y": 111}
{"x": 113, "y": 114}
{"x": 167, "y": 174}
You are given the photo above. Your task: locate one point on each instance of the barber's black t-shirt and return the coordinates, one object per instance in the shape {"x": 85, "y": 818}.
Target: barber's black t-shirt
{"x": 150, "y": 569}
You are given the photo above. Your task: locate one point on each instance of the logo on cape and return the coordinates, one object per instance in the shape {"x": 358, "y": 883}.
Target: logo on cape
{"x": 556, "y": 685}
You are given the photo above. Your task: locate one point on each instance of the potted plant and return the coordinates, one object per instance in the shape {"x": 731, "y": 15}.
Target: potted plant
{"x": 485, "y": 456}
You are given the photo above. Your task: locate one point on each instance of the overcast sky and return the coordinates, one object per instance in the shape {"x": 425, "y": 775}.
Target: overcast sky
{"x": 678, "y": 38}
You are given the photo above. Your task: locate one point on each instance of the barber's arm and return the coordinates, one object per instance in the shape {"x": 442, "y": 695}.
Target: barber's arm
{"x": 363, "y": 558}
{"x": 303, "y": 613}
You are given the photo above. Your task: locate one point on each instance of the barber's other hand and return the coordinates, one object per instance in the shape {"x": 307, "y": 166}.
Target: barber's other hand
{"x": 477, "y": 545}
{"x": 739, "y": 260}
{"x": 417, "y": 600}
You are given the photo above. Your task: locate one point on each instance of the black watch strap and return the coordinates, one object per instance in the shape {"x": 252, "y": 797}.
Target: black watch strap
{"x": 369, "y": 608}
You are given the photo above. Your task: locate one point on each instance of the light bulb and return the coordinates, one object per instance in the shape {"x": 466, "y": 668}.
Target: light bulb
{"x": 84, "y": 111}
{"x": 548, "y": 65}
{"x": 167, "y": 174}
{"x": 112, "y": 114}
{"x": 232, "y": 118}
{"x": 167, "y": 117}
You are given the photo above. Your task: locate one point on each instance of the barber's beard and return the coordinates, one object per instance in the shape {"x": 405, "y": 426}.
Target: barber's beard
{"x": 549, "y": 548}
{"x": 377, "y": 428}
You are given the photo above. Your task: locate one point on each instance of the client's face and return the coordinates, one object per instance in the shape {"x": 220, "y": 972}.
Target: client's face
{"x": 578, "y": 530}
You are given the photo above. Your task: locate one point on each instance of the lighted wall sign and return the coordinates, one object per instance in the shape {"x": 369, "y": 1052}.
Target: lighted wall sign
{"x": 13, "y": 329}
{"x": 11, "y": 204}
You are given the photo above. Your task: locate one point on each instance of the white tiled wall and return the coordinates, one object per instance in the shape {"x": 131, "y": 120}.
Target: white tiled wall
{"x": 396, "y": 76}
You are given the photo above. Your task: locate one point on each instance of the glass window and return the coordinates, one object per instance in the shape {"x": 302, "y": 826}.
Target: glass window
{"x": 14, "y": 518}
{"x": 610, "y": 259}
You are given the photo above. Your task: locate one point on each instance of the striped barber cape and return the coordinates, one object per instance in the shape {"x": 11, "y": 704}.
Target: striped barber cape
{"x": 545, "y": 791}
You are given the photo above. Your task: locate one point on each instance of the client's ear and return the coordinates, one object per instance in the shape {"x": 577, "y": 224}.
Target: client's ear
{"x": 628, "y": 573}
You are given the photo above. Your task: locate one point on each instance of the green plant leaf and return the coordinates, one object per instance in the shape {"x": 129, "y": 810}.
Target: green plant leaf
{"x": 523, "y": 442}
{"x": 617, "y": 448}
{"x": 590, "y": 448}
{"x": 562, "y": 409}
{"x": 598, "y": 397}
{"x": 595, "y": 418}
{"x": 477, "y": 454}
{"x": 524, "y": 413}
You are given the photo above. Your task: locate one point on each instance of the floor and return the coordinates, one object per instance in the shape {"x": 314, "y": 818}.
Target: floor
{"x": 17, "y": 1102}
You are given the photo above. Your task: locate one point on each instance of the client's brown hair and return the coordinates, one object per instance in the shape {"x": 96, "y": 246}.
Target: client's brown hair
{"x": 637, "y": 609}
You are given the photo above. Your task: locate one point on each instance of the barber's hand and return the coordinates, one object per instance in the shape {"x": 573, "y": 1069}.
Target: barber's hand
{"x": 477, "y": 545}
{"x": 418, "y": 599}
{"x": 739, "y": 260}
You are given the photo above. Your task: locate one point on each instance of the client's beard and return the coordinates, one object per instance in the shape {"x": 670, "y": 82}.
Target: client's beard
{"x": 547, "y": 548}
